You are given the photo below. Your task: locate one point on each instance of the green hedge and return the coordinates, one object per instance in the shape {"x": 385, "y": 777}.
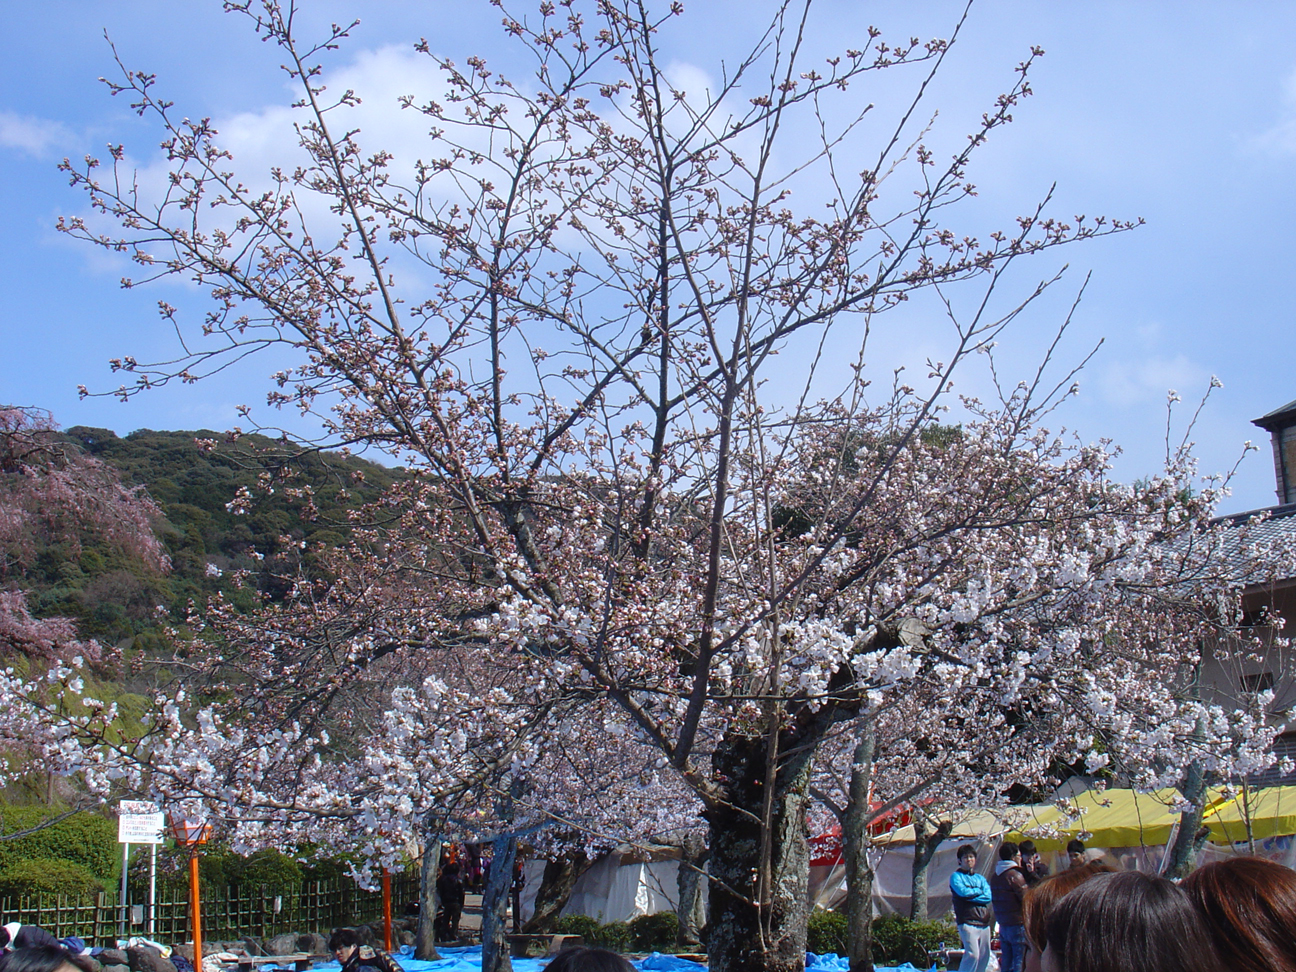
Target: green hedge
{"x": 654, "y": 933}
{"x": 85, "y": 839}
{"x": 897, "y": 939}
{"x": 47, "y": 877}
{"x": 826, "y": 933}
{"x": 614, "y": 935}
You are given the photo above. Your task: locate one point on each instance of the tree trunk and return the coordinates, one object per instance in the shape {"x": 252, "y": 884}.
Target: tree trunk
{"x": 1191, "y": 835}
{"x": 859, "y": 872}
{"x": 556, "y": 885}
{"x": 688, "y": 888}
{"x": 926, "y": 841}
{"x": 742, "y": 935}
{"x": 425, "y": 938}
{"x": 495, "y": 900}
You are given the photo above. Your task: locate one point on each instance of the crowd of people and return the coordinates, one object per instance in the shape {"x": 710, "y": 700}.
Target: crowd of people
{"x": 1237, "y": 914}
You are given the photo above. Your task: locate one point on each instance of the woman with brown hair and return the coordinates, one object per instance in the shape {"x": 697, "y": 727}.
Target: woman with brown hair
{"x": 1128, "y": 921}
{"x": 1040, "y": 901}
{"x": 1250, "y": 908}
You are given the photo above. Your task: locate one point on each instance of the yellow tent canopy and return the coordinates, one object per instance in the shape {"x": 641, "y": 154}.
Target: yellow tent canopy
{"x": 971, "y": 824}
{"x": 1112, "y": 818}
{"x": 1272, "y": 812}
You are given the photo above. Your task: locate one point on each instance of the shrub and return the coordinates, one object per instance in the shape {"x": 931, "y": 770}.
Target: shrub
{"x": 826, "y": 933}
{"x": 615, "y": 935}
{"x": 897, "y": 939}
{"x": 652, "y": 933}
{"x": 277, "y": 873}
{"x": 85, "y": 839}
{"x": 47, "y": 877}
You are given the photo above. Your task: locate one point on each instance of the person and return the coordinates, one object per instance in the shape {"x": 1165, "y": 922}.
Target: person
{"x": 450, "y": 893}
{"x": 581, "y": 959}
{"x": 1250, "y": 908}
{"x": 14, "y": 935}
{"x": 1034, "y": 870}
{"x": 972, "y": 912}
{"x": 1128, "y": 920}
{"x": 1007, "y": 888}
{"x": 345, "y": 945}
{"x": 1038, "y": 903}
{"x": 1076, "y": 853}
{"x": 44, "y": 958}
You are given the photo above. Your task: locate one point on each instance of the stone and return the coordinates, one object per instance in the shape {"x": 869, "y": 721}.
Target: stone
{"x": 252, "y": 946}
{"x": 281, "y": 945}
{"x": 406, "y": 938}
{"x": 117, "y": 967}
{"x": 144, "y": 959}
{"x": 113, "y": 956}
{"x": 367, "y": 936}
{"x": 312, "y": 943}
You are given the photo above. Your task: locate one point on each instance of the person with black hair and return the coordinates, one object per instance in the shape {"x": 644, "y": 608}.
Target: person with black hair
{"x": 44, "y": 958}
{"x": 1007, "y": 888}
{"x": 1128, "y": 920}
{"x": 1076, "y": 853}
{"x": 581, "y": 959}
{"x": 1034, "y": 870}
{"x": 345, "y": 945}
{"x": 15, "y": 935}
{"x": 972, "y": 912}
{"x": 450, "y": 895}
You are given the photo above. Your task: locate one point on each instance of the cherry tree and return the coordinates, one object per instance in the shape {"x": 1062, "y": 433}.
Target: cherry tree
{"x": 570, "y": 320}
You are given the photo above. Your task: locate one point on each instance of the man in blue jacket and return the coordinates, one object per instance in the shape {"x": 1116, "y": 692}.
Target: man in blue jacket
{"x": 972, "y": 911}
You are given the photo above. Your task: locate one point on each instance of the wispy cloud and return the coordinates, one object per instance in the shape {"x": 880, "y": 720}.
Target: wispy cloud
{"x": 1126, "y": 383}
{"x": 32, "y": 135}
{"x": 1281, "y": 138}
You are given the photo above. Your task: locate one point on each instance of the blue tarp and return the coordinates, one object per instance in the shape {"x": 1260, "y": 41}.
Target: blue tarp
{"x": 469, "y": 960}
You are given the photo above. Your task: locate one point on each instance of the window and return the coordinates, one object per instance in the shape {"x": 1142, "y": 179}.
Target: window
{"x": 1258, "y": 682}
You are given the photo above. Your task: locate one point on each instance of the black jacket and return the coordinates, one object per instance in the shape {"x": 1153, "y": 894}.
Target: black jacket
{"x": 367, "y": 959}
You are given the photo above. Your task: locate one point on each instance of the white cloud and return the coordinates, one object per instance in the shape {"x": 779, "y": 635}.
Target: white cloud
{"x": 1146, "y": 382}
{"x": 30, "y": 134}
{"x": 1281, "y": 138}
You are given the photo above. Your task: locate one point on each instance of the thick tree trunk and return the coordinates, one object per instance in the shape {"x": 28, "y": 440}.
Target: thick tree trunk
{"x": 495, "y": 900}
{"x": 556, "y": 885}
{"x": 688, "y": 888}
{"x": 1191, "y": 835}
{"x": 859, "y": 872}
{"x": 425, "y": 938}
{"x": 743, "y": 935}
{"x": 926, "y": 841}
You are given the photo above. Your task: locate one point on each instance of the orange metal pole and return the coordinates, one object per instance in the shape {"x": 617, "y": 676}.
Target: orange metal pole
{"x": 196, "y": 908}
{"x": 386, "y": 891}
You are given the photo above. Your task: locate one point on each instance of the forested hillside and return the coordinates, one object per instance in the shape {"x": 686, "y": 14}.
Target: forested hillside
{"x": 115, "y": 597}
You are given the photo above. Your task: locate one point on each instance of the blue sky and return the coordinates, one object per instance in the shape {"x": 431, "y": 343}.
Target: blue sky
{"x": 1183, "y": 113}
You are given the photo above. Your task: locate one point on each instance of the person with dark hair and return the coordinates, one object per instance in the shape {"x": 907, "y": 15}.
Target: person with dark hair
{"x": 14, "y": 935}
{"x": 44, "y": 958}
{"x": 346, "y": 947}
{"x": 581, "y": 959}
{"x": 972, "y": 912}
{"x": 450, "y": 895}
{"x": 1039, "y": 902}
{"x": 1076, "y": 853}
{"x": 1250, "y": 908}
{"x": 1006, "y": 890}
{"x": 1034, "y": 870}
{"x": 1128, "y": 920}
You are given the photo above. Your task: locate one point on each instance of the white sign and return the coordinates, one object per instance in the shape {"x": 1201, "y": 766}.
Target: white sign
{"x": 140, "y": 822}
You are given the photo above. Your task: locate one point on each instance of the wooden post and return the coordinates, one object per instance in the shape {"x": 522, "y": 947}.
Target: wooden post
{"x": 386, "y": 898}
{"x": 196, "y": 907}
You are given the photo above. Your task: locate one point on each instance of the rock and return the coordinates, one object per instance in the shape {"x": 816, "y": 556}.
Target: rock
{"x": 367, "y": 936}
{"x": 113, "y": 956}
{"x": 252, "y": 946}
{"x": 145, "y": 959}
{"x": 122, "y": 967}
{"x": 281, "y": 945}
{"x": 312, "y": 943}
{"x": 406, "y": 938}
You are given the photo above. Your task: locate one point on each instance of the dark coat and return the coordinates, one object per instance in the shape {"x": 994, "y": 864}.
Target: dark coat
{"x": 1006, "y": 891}
{"x": 367, "y": 959}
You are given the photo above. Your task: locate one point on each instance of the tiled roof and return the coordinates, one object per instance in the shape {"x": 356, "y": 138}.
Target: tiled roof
{"x": 1271, "y": 419}
{"x": 1257, "y": 529}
